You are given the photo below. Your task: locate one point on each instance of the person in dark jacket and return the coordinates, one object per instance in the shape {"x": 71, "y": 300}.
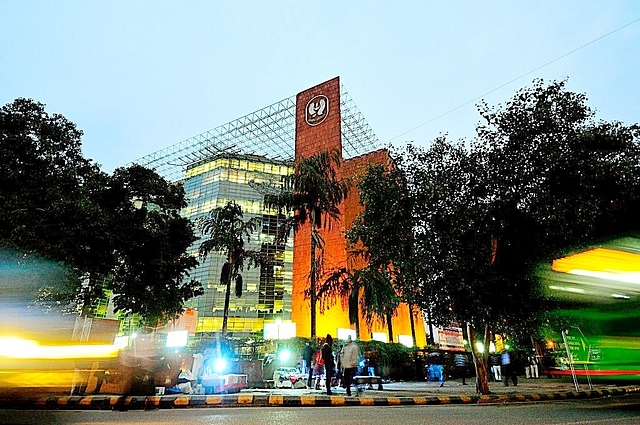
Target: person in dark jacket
{"x": 307, "y": 356}
{"x": 508, "y": 369}
{"x": 329, "y": 362}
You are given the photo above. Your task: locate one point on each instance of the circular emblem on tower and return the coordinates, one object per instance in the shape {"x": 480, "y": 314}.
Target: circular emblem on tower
{"x": 316, "y": 110}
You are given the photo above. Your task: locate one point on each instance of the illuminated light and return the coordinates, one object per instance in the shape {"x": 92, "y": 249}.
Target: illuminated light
{"x": 177, "y": 338}
{"x": 343, "y": 333}
{"x": 11, "y": 344}
{"x": 624, "y": 297}
{"x": 480, "y": 347}
{"x": 18, "y": 348}
{"x": 49, "y": 378}
{"x": 506, "y": 346}
{"x": 284, "y": 355}
{"x": 279, "y": 330}
{"x": 134, "y": 335}
{"x": 568, "y": 289}
{"x": 121, "y": 341}
{"x": 220, "y": 365}
{"x": 625, "y": 277}
{"x": 405, "y": 340}
{"x": 379, "y": 336}
{"x": 601, "y": 263}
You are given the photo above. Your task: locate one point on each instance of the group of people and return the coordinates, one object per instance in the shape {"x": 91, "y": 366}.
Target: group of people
{"x": 341, "y": 367}
{"x": 436, "y": 370}
{"x": 504, "y": 367}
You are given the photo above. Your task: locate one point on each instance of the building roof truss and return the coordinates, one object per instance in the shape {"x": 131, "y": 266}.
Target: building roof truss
{"x": 268, "y": 132}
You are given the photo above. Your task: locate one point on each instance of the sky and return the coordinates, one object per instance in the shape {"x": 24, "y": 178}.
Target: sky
{"x": 138, "y": 76}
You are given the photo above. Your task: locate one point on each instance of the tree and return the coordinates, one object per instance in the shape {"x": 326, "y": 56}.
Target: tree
{"x": 366, "y": 290}
{"x": 120, "y": 233}
{"x": 313, "y": 194}
{"x": 540, "y": 176}
{"x": 546, "y": 157}
{"x": 382, "y": 235}
{"x": 38, "y": 148}
{"x": 452, "y": 281}
{"x": 227, "y": 231}
{"x": 151, "y": 241}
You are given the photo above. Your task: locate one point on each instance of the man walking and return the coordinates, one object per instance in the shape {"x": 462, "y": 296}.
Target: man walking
{"x": 461, "y": 366}
{"x": 307, "y": 356}
{"x": 508, "y": 369}
{"x": 349, "y": 360}
{"x": 329, "y": 362}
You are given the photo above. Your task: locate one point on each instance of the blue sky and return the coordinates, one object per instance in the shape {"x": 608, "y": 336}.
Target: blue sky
{"x": 138, "y": 76}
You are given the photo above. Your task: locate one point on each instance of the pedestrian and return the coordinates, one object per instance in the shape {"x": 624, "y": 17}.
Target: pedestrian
{"x": 307, "y": 356}
{"x": 339, "y": 379}
{"x": 370, "y": 358}
{"x": 436, "y": 367}
{"x": 329, "y": 362}
{"x": 532, "y": 367}
{"x": 462, "y": 362}
{"x": 508, "y": 369}
{"x": 494, "y": 361}
{"x": 318, "y": 368}
{"x": 349, "y": 359}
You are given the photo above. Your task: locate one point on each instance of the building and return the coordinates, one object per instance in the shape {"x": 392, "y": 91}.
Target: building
{"x": 226, "y": 163}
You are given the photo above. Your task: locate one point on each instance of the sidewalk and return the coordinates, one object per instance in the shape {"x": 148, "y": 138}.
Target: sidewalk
{"x": 393, "y": 393}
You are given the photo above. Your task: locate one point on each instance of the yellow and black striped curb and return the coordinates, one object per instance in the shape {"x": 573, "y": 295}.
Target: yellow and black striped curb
{"x": 247, "y": 400}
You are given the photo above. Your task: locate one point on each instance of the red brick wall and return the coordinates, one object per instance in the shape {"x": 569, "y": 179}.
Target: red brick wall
{"x": 311, "y": 139}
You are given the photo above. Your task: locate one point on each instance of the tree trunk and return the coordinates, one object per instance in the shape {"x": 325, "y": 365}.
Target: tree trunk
{"x": 413, "y": 325}
{"x": 390, "y": 327}
{"x": 225, "y": 314}
{"x": 312, "y": 279}
{"x": 479, "y": 360}
{"x": 354, "y": 313}
{"x": 430, "y": 340}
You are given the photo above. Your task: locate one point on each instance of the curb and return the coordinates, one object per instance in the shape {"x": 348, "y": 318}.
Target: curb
{"x": 249, "y": 400}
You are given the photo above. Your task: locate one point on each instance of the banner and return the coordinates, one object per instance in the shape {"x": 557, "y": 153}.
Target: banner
{"x": 451, "y": 339}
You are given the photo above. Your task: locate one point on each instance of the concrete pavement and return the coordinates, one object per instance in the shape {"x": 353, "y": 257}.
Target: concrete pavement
{"x": 393, "y": 393}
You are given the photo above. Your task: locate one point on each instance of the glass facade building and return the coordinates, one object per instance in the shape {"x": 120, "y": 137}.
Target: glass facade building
{"x": 221, "y": 165}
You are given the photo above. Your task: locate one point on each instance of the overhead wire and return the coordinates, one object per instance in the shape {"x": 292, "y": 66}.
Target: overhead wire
{"x": 515, "y": 79}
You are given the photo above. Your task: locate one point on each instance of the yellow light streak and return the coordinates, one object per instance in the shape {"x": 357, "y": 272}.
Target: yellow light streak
{"x": 19, "y": 348}
{"x": 602, "y": 263}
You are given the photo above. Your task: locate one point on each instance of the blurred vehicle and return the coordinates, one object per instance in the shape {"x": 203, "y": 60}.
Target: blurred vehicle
{"x": 598, "y": 293}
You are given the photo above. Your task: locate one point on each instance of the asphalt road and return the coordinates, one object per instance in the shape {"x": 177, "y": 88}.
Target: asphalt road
{"x": 613, "y": 410}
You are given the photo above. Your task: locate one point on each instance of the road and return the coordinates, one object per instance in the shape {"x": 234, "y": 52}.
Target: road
{"x": 614, "y": 410}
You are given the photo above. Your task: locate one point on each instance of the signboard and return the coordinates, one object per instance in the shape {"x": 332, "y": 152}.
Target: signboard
{"x": 578, "y": 347}
{"x": 451, "y": 339}
{"x": 317, "y": 110}
{"x": 499, "y": 343}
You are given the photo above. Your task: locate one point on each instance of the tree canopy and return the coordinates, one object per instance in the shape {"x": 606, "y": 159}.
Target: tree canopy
{"x": 121, "y": 232}
{"x": 541, "y": 176}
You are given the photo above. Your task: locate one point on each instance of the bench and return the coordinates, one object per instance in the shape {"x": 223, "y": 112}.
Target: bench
{"x": 369, "y": 381}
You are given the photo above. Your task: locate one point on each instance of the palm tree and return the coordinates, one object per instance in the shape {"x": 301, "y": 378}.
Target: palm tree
{"x": 363, "y": 290}
{"x": 227, "y": 232}
{"x": 313, "y": 194}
